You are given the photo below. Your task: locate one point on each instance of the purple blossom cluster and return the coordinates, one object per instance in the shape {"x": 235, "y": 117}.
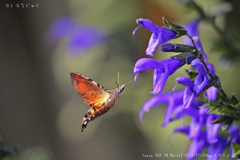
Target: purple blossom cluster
{"x": 183, "y": 102}
{"x": 79, "y": 37}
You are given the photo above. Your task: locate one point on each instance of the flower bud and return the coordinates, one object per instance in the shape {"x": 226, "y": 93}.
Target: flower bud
{"x": 190, "y": 58}
{"x": 172, "y": 47}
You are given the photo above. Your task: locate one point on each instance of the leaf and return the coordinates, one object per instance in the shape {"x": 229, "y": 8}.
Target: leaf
{"x": 237, "y": 107}
{"x": 192, "y": 74}
{"x": 227, "y": 124}
{"x": 236, "y": 149}
{"x": 234, "y": 100}
{"x": 181, "y": 31}
{"x": 219, "y": 120}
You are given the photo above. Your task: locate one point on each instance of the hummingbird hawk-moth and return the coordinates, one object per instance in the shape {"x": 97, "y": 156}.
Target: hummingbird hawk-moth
{"x": 96, "y": 96}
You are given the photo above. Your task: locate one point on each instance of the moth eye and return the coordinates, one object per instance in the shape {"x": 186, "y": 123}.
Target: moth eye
{"x": 122, "y": 90}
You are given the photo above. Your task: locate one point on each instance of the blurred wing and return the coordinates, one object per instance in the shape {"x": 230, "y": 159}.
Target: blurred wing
{"x": 92, "y": 93}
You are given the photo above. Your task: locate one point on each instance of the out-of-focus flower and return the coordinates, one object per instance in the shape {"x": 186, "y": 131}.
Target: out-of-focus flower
{"x": 235, "y": 135}
{"x": 174, "y": 103}
{"x": 79, "y": 37}
{"x": 212, "y": 91}
{"x": 162, "y": 70}
{"x": 200, "y": 142}
{"x": 192, "y": 29}
{"x": 159, "y": 35}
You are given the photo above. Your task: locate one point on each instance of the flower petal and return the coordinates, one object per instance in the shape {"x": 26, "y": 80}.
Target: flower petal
{"x": 83, "y": 39}
{"x": 212, "y": 93}
{"x": 188, "y": 98}
{"x": 159, "y": 79}
{"x": 184, "y": 81}
{"x": 195, "y": 128}
{"x": 182, "y": 129}
{"x": 212, "y": 129}
{"x": 216, "y": 149}
{"x": 146, "y": 23}
{"x": 152, "y": 102}
{"x": 153, "y": 44}
{"x": 175, "y": 100}
{"x": 172, "y": 64}
{"x": 165, "y": 34}
{"x": 192, "y": 29}
{"x": 135, "y": 31}
{"x": 196, "y": 147}
{"x": 145, "y": 64}
{"x": 202, "y": 79}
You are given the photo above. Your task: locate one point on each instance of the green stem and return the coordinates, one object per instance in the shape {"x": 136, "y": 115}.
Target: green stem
{"x": 222, "y": 92}
{"x": 201, "y": 56}
{"x": 218, "y": 83}
{"x": 192, "y": 41}
{"x": 225, "y": 38}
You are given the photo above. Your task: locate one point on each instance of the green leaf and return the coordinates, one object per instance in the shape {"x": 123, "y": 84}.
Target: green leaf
{"x": 227, "y": 124}
{"x": 234, "y": 100}
{"x": 219, "y": 120}
{"x": 181, "y": 31}
{"x": 192, "y": 74}
{"x": 237, "y": 107}
{"x": 236, "y": 150}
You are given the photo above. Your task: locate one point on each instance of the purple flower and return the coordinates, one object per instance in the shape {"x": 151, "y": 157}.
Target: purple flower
{"x": 235, "y": 135}
{"x": 196, "y": 87}
{"x": 162, "y": 69}
{"x": 79, "y": 37}
{"x": 190, "y": 58}
{"x": 192, "y": 29}
{"x": 174, "y": 103}
{"x": 200, "y": 142}
{"x": 212, "y": 91}
{"x": 159, "y": 35}
{"x": 189, "y": 93}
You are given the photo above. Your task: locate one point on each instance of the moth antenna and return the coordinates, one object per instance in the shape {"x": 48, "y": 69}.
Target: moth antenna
{"x": 118, "y": 77}
{"x": 117, "y": 85}
{"x": 138, "y": 76}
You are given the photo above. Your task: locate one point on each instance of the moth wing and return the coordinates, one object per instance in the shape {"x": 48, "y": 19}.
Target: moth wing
{"x": 92, "y": 93}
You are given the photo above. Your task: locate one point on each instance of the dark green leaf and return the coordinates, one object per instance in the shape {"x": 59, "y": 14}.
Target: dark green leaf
{"x": 234, "y": 100}
{"x": 181, "y": 31}
{"x": 227, "y": 123}
{"x": 237, "y": 107}
{"x": 219, "y": 120}
{"x": 236, "y": 149}
{"x": 192, "y": 74}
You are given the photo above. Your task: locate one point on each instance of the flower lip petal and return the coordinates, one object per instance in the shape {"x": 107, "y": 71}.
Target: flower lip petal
{"x": 195, "y": 128}
{"x": 135, "y": 31}
{"x": 160, "y": 78}
{"x": 153, "y": 44}
{"x": 147, "y": 63}
{"x": 188, "y": 97}
{"x": 152, "y": 102}
{"x": 146, "y": 23}
{"x": 212, "y": 129}
{"x": 184, "y": 81}
{"x": 211, "y": 68}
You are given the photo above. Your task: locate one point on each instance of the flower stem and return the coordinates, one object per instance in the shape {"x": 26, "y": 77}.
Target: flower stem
{"x": 221, "y": 91}
{"x": 225, "y": 38}
{"x": 192, "y": 41}
{"x": 218, "y": 83}
{"x": 200, "y": 57}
